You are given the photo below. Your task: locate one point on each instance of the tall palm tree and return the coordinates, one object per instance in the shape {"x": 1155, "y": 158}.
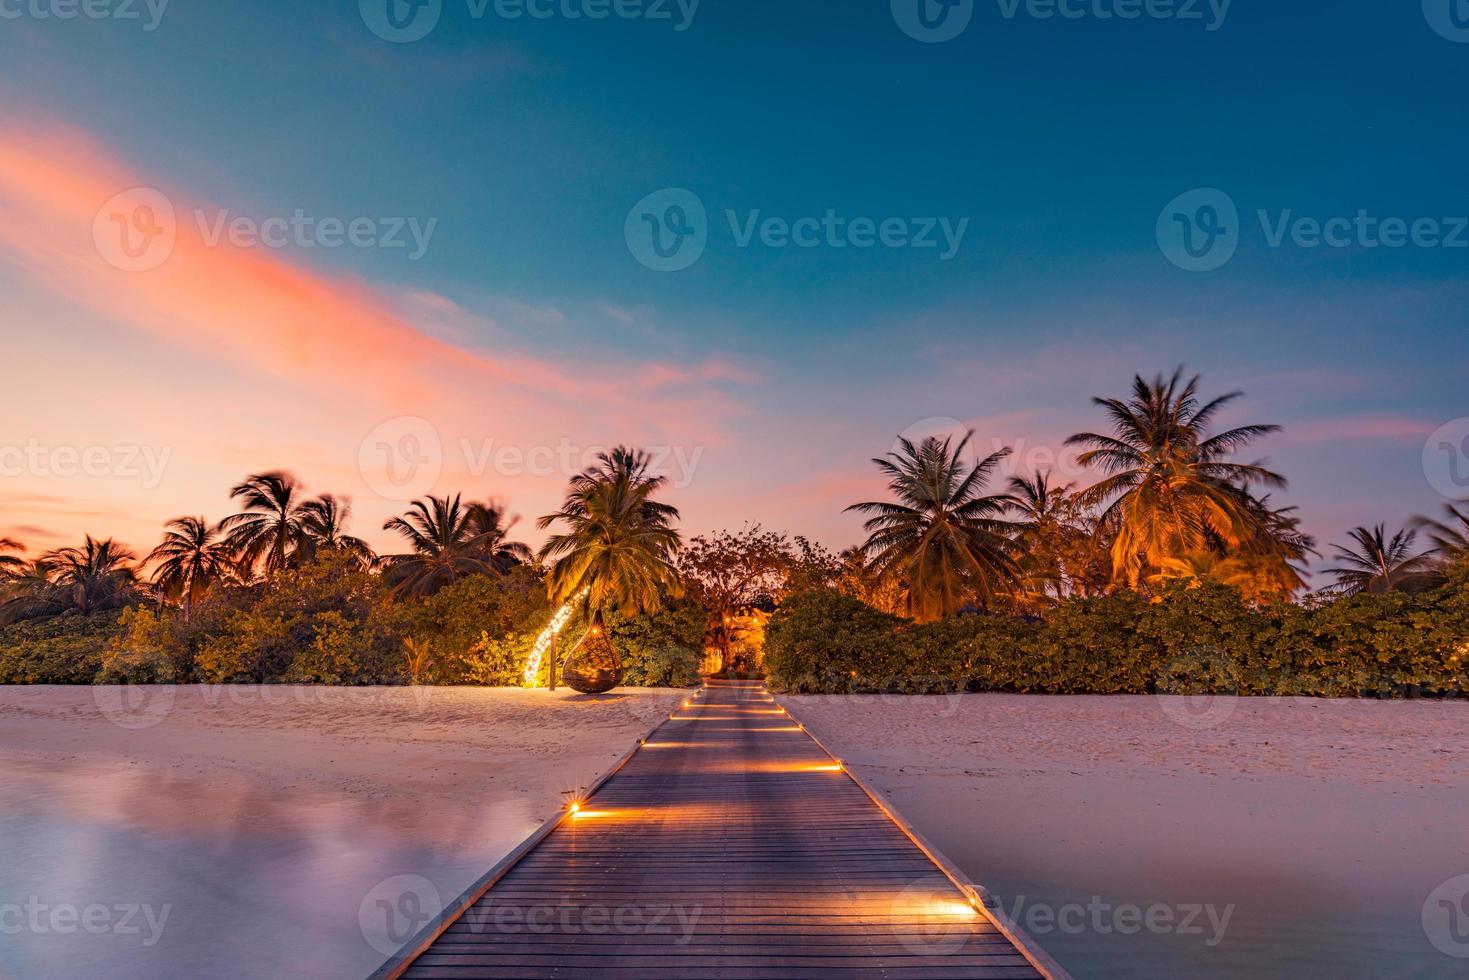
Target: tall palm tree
{"x": 943, "y": 539}
{"x": 491, "y": 527}
{"x": 10, "y": 564}
{"x": 95, "y": 577}
{"x": 269, "y": 530}
{"x": 324, "y": 528}
{"x": 619, "y": 543}
{"x": 191, "y": 560}
{"x": 1170, "y": 485}
{"x": 446, "y": 546}
{"x": 1378, "y": 564}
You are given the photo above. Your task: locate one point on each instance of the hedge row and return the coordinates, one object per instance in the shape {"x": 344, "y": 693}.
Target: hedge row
{"x": 1190, "y": 641}
{"x": 332, "y": 623}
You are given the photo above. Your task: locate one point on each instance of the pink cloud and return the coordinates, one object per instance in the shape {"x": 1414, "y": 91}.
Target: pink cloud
{"x": 277, "y": 364}
{"x": 1357, "y": 428}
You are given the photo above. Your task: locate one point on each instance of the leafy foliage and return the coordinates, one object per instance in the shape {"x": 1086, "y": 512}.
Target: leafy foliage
{"x": 1203, "y": 639}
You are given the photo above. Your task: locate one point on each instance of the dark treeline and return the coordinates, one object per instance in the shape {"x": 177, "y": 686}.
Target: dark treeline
{"x": 282, "y": 590}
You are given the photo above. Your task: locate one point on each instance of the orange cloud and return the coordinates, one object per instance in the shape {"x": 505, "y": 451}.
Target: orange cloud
{"x": 255, "y": 307}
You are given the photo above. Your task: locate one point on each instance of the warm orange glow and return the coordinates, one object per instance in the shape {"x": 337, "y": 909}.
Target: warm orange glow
{"x": 574, "y": 807}
{"x": 590, "y": 814}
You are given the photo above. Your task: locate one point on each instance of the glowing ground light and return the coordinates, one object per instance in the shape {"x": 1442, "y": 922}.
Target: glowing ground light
{"x": 543, "y": 642}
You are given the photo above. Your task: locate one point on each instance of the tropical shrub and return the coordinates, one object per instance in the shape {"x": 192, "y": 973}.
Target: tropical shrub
{"x": 60, "y": 650}
{"x": 328, "y": 621}
{"x": 1205, "y": 639}
{"x": 661, "y": 649}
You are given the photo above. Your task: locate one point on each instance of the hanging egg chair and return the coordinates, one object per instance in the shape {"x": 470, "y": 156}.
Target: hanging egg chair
{"x": 593, "y": 666}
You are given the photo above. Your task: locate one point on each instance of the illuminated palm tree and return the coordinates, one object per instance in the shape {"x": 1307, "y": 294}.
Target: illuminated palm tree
{"x": 446, "y": 546}
{"x": 1379, "y": 565}
{"x": 95, "y": 577}
{"x": 619, "y": 544}
{"x": 269, "y": 530}
{"x": 192, "y": 559}
{"x": 942, "y": 539}
{"x": 1170, "y": 486}
{"x": 324, "y": 529}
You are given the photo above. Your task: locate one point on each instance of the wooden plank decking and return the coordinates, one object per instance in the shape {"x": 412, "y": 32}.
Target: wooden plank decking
{"x": 731, "y": 845}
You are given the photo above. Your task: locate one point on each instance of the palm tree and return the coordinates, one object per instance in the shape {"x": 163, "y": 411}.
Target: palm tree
{"x": 1379, "y": 565}
{"x": 1450, "y": 536}
{"x": 943, "y": 539}
{"x": 95, "y": 577}
{"x": 267, "y": 533}
{"x": 1048, "y": 535}
{"x": 491, "y": 527}
{"x": 1170, "y": 486}
{"x": 191, "y": 561}
{"x": 324, "y": 528}
{"x": 446, "y": 542}
{"x": 10, "y": 564}
{"x": 619, "y": 543}
{"x": 29, "y": 593}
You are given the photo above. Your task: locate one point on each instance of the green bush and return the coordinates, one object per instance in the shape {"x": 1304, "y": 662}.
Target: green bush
{"x": 480, "y": 629}
{"x": 1188, "y": 641}
{"x": 61, "y": 650}
{"x": 662, "y": 649}
{"x": 328, "y": 622}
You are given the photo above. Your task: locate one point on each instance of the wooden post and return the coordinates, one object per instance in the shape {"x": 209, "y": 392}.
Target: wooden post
{"x": 553, "y": 661}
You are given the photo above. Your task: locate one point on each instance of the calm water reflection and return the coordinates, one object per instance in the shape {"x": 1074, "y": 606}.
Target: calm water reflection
{"x": 242, "y": 882}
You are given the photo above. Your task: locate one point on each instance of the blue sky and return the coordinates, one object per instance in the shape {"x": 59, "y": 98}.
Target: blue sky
{"x": 1059, "y": 142}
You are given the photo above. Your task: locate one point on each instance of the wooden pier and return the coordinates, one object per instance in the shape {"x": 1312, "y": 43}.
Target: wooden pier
{"x": 729, "y": 845}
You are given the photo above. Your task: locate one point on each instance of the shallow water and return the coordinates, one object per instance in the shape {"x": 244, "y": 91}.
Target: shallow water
{"x": 114, "y": 871}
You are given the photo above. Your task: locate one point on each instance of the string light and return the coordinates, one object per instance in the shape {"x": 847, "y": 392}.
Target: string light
{"x": 543, "y": 642}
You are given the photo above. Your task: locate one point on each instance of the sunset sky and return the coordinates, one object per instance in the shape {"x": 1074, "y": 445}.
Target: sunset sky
{"x": 528, "y": 332}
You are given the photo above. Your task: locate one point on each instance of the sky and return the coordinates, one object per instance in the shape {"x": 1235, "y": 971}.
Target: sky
{"x": 460, "y": 245}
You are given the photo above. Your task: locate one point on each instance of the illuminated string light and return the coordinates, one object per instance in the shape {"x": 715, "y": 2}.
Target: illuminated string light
{"x": 543, "y": 642}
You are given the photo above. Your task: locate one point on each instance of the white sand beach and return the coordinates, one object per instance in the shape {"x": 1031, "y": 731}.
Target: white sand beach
{"x": 254, "y": 823}
{"x": 1326, "y": 825}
